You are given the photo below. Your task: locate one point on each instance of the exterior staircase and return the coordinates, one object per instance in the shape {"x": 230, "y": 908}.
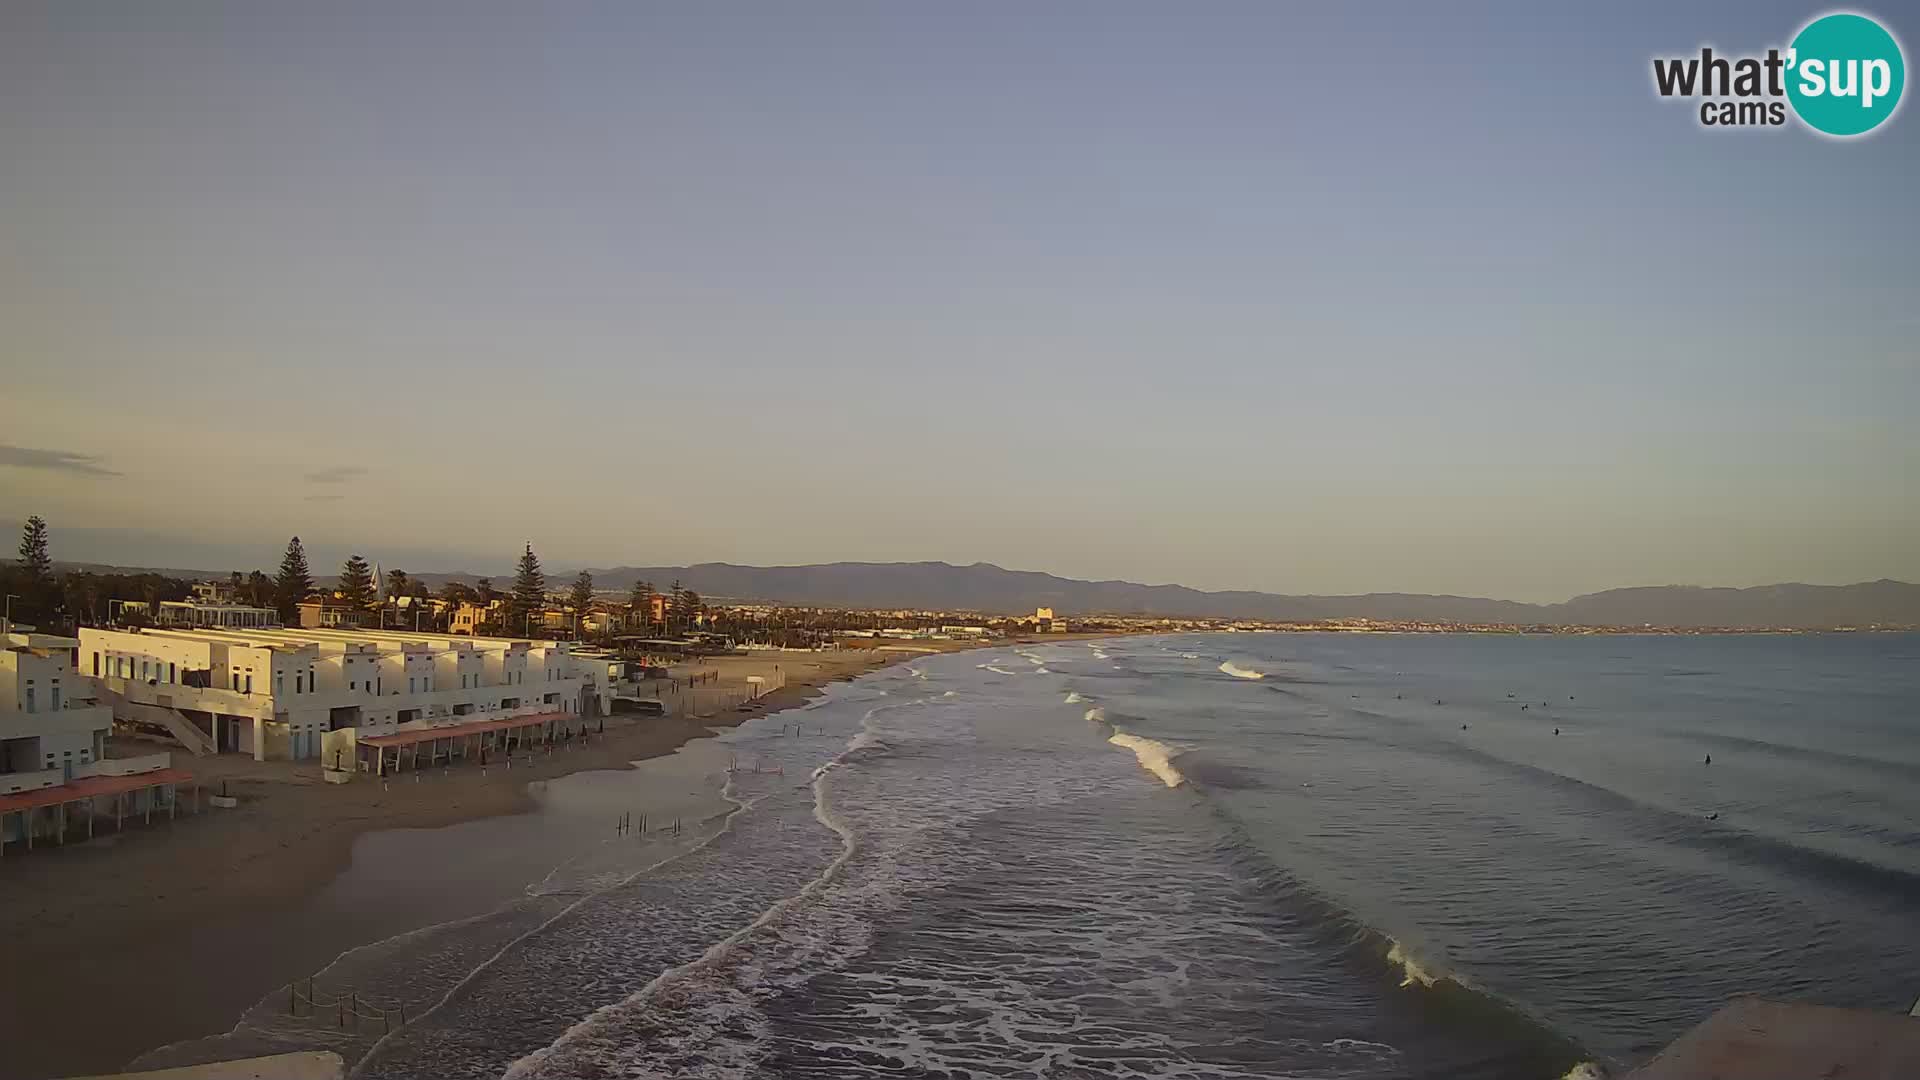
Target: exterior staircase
{"x": 184, "y": 731}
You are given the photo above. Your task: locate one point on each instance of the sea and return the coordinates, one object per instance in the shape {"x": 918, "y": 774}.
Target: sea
{"x": 1217, "y": 855}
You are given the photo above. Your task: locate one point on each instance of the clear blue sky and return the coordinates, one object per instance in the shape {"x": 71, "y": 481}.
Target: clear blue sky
{"x": 1237, "y": 295}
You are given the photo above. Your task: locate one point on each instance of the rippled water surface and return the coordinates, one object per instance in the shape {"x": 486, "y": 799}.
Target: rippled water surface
{"x": 1227, "y": 855}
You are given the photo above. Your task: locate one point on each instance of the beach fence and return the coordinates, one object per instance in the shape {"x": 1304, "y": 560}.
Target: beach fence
{"x": 699, "y": 695}
{"x": 346, "y": 1010}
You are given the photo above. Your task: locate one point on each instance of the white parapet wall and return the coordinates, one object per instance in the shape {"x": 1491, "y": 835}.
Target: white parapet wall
{"x": 306, "y": 1065}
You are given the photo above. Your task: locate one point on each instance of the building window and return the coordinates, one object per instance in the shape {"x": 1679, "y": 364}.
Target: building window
{"x": 353, "y": 686}
{"x": 56, "y": 699}
{"x": 29, "y": 699}
{"x": 410, "y": 682}
{"x": 96, "y": 665}
{"x": 173, "y": 674}
{"x": 143, "y": 670}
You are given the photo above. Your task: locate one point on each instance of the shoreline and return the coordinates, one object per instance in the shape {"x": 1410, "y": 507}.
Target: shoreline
{"x": 176, "y": 930}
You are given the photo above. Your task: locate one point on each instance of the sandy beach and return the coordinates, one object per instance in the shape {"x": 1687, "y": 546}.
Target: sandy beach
{"x": 182, "y": 926}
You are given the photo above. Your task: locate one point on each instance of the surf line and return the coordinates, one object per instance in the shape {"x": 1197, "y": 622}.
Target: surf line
{"x": 740, "y": 806}
{"x": 716, "y": 952}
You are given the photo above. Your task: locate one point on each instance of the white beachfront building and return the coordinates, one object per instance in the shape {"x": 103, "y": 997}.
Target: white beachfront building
{"x": 275, "y": 693}
{"x": 54, "y": 772}
{"x": 49, "y": 720}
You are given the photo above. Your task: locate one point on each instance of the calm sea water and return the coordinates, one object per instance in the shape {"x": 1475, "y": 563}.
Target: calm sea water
{"x": 1385, "y": 856}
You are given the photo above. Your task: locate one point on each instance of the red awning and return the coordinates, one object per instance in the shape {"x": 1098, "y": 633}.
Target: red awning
{"x": 455, "y": 731}
{"x": 88, "y": 787}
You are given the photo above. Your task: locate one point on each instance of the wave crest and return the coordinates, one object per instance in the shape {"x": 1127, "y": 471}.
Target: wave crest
{"x": 1410, "y": 968}
{"x": 1156, "y": 757}
{"x": 1239, "y": 672}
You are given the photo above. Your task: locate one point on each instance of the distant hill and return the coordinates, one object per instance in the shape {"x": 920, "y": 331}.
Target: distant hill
{"x": 988, "y": 588}
{"x": 991, "y": 589}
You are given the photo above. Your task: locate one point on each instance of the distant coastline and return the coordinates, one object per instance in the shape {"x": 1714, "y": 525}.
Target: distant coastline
{"x": 986, "y": 590}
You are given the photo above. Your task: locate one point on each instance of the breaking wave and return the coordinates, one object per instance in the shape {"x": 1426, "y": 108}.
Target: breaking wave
{"x": 1411, "y": 971}
{"x": 1074, "y": 698}
{"x": 999, "y": 670}
{"x": 1096, "y": 715}
{"x": 1156, "y": 757}
{"x": 1239, "y": 672}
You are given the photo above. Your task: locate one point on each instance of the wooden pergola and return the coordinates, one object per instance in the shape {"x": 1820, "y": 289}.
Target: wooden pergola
{"x": 457, "y": 742}
{"x": 88, "y": 790}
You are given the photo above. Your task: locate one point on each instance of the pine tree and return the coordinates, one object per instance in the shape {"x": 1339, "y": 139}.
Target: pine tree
{"x": 294, "y": 583}
{"x": 259, "y": 589}
{"x": 484, "y": 590}
{"x": 581, "y": 596}
{"x": 32, "y": 582}
{"x": 691, "y": 601}
{"x": 34, "y": 557}
{"x": 397, "y": 584}
{"x": 640, "y": 603}
{"x": 676, "y": 607}
{"x": 356, "y": 584}
{"x": 529, "y": 592}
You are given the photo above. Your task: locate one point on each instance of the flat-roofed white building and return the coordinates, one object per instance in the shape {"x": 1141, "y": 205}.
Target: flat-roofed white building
{"x": 54, "y": 772}
{"x": 277, "y": 692}
{"x": 49, "y": 720}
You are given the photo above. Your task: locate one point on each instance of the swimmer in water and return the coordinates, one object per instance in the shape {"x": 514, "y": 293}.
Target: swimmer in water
{"x": 1709, "y": 760}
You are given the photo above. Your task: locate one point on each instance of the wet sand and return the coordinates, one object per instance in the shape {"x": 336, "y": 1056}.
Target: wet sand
{"x": 170, "y": 931}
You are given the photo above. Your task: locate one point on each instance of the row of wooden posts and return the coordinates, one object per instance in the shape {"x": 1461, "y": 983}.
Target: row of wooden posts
{"x": 345, "y": 1009}
{"x": 626, "y": 825}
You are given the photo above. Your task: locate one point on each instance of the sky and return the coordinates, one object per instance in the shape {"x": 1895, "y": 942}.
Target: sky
{"x": 1294, "y": 297}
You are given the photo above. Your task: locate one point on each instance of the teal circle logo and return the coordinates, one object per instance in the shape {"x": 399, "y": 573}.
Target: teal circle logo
{"x": 1845, "y": 74}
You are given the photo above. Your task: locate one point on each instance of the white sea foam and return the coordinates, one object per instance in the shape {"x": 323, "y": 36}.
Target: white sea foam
{"x": 951, "y": 693}
{"x": 1155, "y": 757}
{"x": 1189, "y": 656}
{"x": 1410, "y": 969}
{"x": 1096, "y": 715}
{"x": 608, "y": 1016}
{"x": 1074, "y": 698}
{"x": 1239, "y": 672}
{"x": 1041, "y": 671}
{"x": 1586, "y": 1070}
{"x": 999, "y": 671}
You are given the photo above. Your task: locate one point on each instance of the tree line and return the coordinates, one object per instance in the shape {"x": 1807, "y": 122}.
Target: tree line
{"x": 39, "y": 595}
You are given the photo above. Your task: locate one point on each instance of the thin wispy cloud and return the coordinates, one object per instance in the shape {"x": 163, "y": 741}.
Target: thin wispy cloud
{"x": 27, "y": 457}
{"x": 338, "y": 474}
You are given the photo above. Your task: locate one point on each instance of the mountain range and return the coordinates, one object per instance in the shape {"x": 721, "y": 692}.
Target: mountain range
{"x": 987, "y": 588}
{"x": 990, "y": 589}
